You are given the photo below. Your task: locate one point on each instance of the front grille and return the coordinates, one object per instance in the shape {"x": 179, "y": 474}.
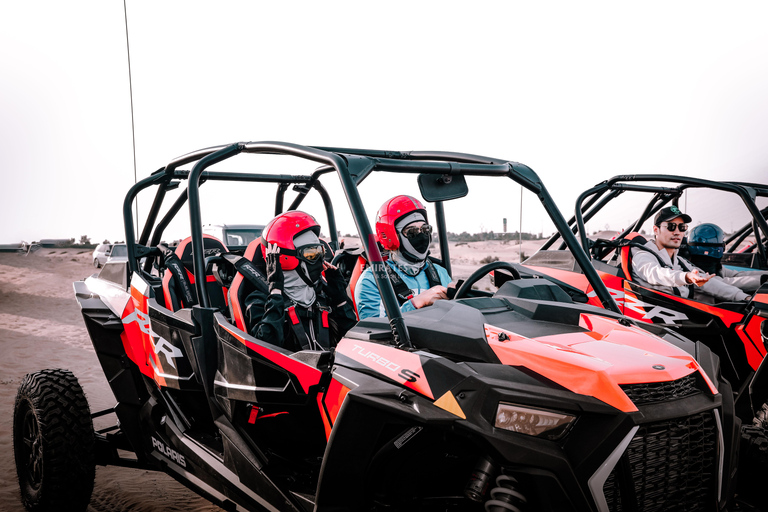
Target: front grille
{"x": 670, "y": 466}
{"x": 654, "y": 392}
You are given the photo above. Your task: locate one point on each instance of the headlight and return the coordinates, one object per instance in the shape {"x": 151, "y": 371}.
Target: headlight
{"x": 533, "y": 422}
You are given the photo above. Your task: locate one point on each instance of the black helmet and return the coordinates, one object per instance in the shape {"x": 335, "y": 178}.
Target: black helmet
{"x": 706, "y": 240}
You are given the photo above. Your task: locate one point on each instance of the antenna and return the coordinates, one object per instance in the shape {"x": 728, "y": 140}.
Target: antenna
{"x": 133, "y": 129}
{"x": 520, "y": 230}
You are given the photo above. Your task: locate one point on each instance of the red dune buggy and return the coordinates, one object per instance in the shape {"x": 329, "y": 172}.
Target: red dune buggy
{"x": 519, "y": 399}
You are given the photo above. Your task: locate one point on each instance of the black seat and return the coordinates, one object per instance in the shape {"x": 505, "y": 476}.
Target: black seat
{"x": 174, "y": 285}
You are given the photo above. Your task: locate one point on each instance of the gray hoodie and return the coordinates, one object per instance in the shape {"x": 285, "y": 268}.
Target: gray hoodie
{"x": 648, "y": 272}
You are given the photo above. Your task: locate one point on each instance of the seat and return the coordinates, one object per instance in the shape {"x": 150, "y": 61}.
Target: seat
{"x": 174, "y": 289}
{"x": 242, "y": 287}
{"x": 357, "y": 270}
{"x": 626, "y": 253}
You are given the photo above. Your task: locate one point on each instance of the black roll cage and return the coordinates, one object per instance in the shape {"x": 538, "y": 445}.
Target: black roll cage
{"x": 591, "y": 201}
{"x": 352, "y": 167}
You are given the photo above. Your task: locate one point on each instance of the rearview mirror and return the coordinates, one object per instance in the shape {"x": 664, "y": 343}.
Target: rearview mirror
{"x": 442, "y": 188}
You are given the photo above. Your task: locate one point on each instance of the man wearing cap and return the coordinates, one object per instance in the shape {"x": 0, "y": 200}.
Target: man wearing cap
{"x": 657, "y": 264}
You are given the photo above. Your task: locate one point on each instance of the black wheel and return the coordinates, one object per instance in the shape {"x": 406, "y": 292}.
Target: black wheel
{"x": 479, "y": 273}
{"x": 53, "y": 442}
{"x": 761, "y": 418}
{"x": 96, "y": 263}
{"x": 753, "y": 466}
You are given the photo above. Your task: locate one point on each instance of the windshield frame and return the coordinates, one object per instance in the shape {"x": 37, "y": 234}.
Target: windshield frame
{"x": 352, "y": 166}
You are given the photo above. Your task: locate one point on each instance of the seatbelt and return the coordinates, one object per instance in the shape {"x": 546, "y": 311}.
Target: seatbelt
{"x": 691, "y": 287}
{"x": 320, "y": 314}
{"x": 176, "y": 267}
{"x": 675, "y": 289}
{"x": 249, "y": 271}
{"x": 298, "y": 328}
{"x": 433, "y": 278}
{"x": 402, "y": 291}
{"x": 252, "y": 273}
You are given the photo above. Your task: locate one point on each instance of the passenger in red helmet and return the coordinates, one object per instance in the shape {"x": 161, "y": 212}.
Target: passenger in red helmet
{"x": 405, "y": 235}
{"x": 302, "y": 310}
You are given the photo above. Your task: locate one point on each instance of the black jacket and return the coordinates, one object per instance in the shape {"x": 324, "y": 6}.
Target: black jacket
{"x": 267, "y": 316}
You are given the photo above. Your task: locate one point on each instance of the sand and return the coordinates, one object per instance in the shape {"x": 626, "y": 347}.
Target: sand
{"x": 41, "y": 327}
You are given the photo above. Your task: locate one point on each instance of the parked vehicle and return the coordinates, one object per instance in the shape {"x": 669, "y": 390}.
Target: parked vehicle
{"x": 519, "y": 399}
{"x": 234, "y": 235}
{"x": 736, "y": 331}
{"x": 118, "y": 252}
{"x": 107, "y": 252}
{"x": 100, "y": 254}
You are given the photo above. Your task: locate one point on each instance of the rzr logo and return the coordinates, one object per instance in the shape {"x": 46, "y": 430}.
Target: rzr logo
{"x": 159, "y": 344}
{"x": 666, "y": 315}
{"x": 169, "y": 452}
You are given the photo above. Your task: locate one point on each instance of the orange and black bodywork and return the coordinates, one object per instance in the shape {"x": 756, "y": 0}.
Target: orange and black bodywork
{"x": 736, "y": 331}
{"x": 734, "y": 327}
{"x": 371, "y": 410}
{"x": 525, "y": 398}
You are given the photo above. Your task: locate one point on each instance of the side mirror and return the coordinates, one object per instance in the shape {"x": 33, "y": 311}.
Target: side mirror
{"x": 442, "y": 188}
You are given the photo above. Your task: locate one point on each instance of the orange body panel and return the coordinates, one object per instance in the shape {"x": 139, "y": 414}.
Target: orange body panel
{"x": 137, "y": 338}
{"x": 307, "y": 375}
{"x": 580, "y": 361}
{"x": 402, "y": 367}
{"x": 753, "y": 341}
{"x": 330, "y": 404}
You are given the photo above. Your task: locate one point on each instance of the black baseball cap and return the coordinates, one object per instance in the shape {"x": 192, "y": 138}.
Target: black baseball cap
{"x": 669, "y": 213}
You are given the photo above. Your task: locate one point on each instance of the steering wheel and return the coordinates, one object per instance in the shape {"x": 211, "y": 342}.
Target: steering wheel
{"x": 482, "y": 271}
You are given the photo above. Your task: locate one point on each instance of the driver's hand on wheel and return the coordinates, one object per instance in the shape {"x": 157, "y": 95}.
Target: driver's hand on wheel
{"x": 428, "y": 297}
{"x": 274, "y": 270}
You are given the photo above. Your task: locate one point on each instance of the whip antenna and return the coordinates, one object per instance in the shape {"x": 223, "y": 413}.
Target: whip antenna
{"x": 133, "y": 129}
{"x": 520, "y": 230}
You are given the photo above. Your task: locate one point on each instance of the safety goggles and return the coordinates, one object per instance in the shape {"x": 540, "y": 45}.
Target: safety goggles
{"x": 413, "y": 231}
{"x": 311, "y": 253}
{"x": 671, "y": 226}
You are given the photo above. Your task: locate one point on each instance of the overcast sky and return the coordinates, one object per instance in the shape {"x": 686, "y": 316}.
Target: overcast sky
{"x": 579, "y": 91}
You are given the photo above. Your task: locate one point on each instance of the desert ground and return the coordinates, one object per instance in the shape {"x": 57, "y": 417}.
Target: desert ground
{"x": 41, "y": 327}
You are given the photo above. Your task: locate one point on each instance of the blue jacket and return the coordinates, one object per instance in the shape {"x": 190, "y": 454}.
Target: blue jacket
{"x": 368, "y": 298}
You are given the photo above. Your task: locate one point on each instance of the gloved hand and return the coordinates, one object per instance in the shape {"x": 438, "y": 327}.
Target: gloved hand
{"x": 274, "y": 270}
{"x": 337, "y": 288}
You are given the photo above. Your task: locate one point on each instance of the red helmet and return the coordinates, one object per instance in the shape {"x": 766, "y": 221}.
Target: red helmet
{"x": 283, "y": 229}
{"x": 389, "y": 213}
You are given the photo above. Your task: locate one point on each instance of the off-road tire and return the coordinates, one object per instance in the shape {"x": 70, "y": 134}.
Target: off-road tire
{"x": 753, "y": 466}
{"x": 761, "y": 418}
{"x": 53, "y": 442}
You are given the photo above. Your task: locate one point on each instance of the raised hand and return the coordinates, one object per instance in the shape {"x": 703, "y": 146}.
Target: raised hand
{"x": 274, "y": 270}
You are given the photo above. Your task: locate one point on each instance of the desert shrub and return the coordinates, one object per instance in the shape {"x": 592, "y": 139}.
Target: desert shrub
{"x": 489, "y": 259}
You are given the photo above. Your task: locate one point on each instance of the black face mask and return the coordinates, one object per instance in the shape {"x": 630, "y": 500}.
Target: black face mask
{"x": 313, "y": 273}
{"x": 421, "y": 242}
